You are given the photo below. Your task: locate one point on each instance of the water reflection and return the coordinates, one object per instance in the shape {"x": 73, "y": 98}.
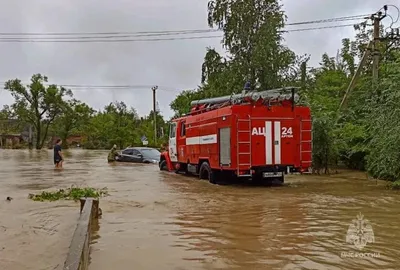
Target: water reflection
{"x": 95, "y": 236}
{"x": 300, "y": 225}
{"x": 237, "y": 228}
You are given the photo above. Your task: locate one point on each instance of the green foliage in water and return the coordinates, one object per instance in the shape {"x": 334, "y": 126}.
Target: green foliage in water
{"x": 394, "y": 185}
{"x": 73, "y": 193}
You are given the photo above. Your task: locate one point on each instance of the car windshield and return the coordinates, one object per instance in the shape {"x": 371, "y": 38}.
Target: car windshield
{"x": 151, "y": 153}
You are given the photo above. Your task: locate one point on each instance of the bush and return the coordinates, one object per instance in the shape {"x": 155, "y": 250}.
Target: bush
{"x": 73, "y": 193}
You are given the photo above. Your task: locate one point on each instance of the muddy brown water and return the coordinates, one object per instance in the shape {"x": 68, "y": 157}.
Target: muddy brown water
{"x": 159, "y": 220}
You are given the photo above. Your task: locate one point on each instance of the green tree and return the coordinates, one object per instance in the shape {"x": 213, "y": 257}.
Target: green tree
{"x": 8, "y": 122}
{"x": 181, "y": 104}
{"x": 324, "y": 93}
{"x": 253, "y": 35}
{"x": 253, "y": 39}
{"x": 383, "y": 123}
{"x": 124, "y": 122}
{"x": 114, "y": 125}
{"x": 146, "y": 127}
{"x": 99, "y": 131}
{"x": 37, "y": 104}
{"x": 75, "y": 116}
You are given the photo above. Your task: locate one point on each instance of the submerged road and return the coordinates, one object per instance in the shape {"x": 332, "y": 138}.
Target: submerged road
{"x": 159, "y": 220}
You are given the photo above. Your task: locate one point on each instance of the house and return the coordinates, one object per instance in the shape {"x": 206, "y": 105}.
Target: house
{"x": 10, "y": 140}
{"x": 71, "y": 140}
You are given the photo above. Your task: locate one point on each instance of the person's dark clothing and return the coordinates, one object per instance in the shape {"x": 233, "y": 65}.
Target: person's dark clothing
{"x": 111, "y": 156}
{"x": 57, "y": 157}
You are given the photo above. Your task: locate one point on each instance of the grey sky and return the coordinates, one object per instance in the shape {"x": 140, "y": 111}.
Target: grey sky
{"x": 173, "y": 65}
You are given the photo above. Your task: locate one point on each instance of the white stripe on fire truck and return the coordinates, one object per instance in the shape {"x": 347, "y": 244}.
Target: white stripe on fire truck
{"x": 277, "y": 142}
{"x": 268, "y": 142}
{"x": 206, "y": 139}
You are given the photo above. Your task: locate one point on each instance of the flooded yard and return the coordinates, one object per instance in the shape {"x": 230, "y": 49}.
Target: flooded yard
{"x": 159, "y": 220}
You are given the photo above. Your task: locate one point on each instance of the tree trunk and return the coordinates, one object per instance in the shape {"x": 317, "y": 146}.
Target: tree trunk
{"x": 30, "y": 140}
{"x": 64, "y": 137}
{"x": 327, "y": 160}
{"x": 44, "y": 136}
{"x": 38, "y": 135}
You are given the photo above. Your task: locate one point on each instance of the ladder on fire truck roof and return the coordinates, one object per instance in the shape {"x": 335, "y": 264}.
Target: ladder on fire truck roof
{"x": 279, "y": 94}
{"x": 243, "y": 147}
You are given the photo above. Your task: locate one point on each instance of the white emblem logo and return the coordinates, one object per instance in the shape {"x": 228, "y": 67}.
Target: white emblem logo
{"x": 360, "y": 232}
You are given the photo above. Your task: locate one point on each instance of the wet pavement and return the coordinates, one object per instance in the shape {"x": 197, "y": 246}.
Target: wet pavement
{"x": 159, "y": 220}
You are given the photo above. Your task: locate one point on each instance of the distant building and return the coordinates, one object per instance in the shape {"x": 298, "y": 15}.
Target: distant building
{"x": 13, "y": 133}
{"x": 10, "y": 140}
{"x": 72, "y": 140}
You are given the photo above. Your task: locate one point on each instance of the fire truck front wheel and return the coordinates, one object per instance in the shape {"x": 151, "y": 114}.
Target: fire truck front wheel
{"x": 205, "y": 172}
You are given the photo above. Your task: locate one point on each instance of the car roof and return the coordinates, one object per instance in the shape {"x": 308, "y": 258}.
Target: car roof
{"x": 140, "y": 148}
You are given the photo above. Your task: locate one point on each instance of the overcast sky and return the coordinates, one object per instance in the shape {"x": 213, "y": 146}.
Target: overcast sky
{"x": 172, "y": 65}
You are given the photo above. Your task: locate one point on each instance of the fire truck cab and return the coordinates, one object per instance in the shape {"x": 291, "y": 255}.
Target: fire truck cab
{"x": 260, "y": 136}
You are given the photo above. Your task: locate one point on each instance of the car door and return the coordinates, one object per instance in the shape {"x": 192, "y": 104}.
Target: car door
{"x": 137, "y": 156}
{"x": 126, "y": 155}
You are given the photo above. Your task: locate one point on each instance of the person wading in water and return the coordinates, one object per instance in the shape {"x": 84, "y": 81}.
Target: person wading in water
{"x": 58, "y": 156}
{"x": 113, "y": 153}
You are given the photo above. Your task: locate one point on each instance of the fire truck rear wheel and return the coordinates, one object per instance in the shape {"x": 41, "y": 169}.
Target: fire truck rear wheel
{"x": 205, "y": 172}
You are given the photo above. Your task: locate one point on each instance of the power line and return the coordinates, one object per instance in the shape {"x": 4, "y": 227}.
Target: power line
{"x": 337, "y": 19}
{"x": 126, "y": 86}
{"x": 118, "y": 35}
{"x": 173, "y": 32}
{"x": 322, "y": 27}
{"x": 109, "y": 39}
{"x": 101, "y": 39}
{"x": 398, "y": 12}
{"x": 106, "y": 87}
{"x": 153, "y": 34}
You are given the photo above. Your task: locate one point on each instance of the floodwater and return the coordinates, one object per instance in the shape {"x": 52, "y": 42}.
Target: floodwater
{"x": 159, "y": 220}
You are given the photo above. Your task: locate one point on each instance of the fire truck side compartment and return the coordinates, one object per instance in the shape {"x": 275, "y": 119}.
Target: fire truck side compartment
{"x": 225, "y": 147}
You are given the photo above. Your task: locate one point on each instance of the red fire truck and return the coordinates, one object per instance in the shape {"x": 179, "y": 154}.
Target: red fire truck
{"x": 256, "y": 135}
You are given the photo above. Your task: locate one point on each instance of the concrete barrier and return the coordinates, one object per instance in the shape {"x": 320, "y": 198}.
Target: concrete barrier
{"x": 78, "y": 255}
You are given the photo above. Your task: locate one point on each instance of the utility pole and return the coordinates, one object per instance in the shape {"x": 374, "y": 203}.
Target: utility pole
{"x": 371, "y": 47}
{"x": 356, "y": 74}
{"x": 154, "y": 88}
{"x": 376, "y": 18}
